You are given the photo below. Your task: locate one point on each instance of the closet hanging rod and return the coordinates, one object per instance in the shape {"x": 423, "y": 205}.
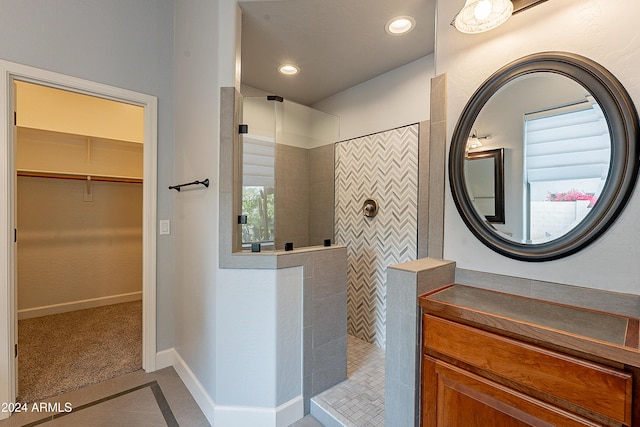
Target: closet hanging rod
{"x": 178, "y": 187}
{"x": 78, "y": 176}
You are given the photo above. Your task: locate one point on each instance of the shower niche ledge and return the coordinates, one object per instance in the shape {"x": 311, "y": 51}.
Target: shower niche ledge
{"x": 275, "y": 259}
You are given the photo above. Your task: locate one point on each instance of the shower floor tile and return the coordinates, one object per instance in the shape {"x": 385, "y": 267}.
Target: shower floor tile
{"x": 359, "y": 400}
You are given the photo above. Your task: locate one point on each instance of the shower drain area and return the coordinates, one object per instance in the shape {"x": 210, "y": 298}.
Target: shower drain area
{"x": 359, "y": 400}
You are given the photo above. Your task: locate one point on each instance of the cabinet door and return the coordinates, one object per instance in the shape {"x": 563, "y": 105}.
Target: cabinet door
{"x": 453, "y": 397}
{"x": 567, "y": 381}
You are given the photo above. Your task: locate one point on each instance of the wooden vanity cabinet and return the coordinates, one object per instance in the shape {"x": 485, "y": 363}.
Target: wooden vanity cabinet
{"x": 455, "y": 397}
{"x": 472, "y": 377}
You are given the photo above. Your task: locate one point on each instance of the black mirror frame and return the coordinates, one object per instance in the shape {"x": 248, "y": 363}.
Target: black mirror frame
{"x": 622, "y": 119}
{"x": 497, "y": 155}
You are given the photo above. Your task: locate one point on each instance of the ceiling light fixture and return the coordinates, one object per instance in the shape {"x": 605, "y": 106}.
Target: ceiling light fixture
{"x": 400, "y": 25}
{"x": 478, "y": 16}
{"x": 288, "y": 69}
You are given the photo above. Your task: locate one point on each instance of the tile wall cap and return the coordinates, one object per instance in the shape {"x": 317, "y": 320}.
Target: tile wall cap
{"x": 422, "y": 264}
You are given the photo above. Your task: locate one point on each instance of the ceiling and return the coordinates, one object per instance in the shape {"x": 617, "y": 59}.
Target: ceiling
{"x": 337, "y": 44}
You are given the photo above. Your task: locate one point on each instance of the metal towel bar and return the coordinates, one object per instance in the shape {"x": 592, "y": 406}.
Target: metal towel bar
{"x": 178, "y": 187}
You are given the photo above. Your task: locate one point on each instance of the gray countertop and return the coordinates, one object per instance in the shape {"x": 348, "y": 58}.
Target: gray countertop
{"x": 593, "y": 332}
{"x": 599, "y": 326}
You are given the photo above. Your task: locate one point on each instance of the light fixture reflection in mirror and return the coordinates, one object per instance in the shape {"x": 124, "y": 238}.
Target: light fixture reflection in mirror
{"x": 475, "y": 142}
{"x": 569, "y": 129}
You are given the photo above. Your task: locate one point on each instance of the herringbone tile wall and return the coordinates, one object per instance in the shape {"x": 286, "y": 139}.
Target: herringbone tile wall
{"x": 384, "y": 167}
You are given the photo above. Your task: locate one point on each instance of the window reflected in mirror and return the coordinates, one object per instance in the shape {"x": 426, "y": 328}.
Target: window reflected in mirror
{"x": 567, "y": 155}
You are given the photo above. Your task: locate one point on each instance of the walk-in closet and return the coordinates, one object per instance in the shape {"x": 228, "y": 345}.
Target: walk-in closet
{"x": 79, "y": 168}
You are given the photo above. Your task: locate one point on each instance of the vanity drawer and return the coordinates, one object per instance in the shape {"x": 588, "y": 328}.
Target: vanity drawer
{"x": 599, "y": 389}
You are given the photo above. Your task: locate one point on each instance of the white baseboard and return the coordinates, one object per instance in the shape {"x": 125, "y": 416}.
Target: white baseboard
{"x": 165, "y": 358}
{"x": 46, "y": 310}
{"x": 242, "y": 416}
{"x": 200, "y": 395}
{"x": 230, "y": 416}
{"x": 290, "y": 412}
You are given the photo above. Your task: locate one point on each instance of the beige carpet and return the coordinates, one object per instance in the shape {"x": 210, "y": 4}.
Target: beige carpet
{"x": 64, "y": 352}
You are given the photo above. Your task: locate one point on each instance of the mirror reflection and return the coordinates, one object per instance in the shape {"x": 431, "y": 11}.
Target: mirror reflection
{"x": 287, "y": 173}
{"x": 557, "y": 152}
{"x": 484, "y": 176}
{"x": 568, "y": 130}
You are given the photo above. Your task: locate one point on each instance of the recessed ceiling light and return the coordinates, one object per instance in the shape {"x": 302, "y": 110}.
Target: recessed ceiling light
{"x": 400, "y": 25}
{"x": 289, "y": 69}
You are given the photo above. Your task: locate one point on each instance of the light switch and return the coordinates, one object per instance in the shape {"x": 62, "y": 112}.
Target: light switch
{"x": 165, "y": 226}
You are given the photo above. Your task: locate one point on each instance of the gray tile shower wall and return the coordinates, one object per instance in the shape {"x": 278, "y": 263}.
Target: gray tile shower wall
{"x": 382, "y": 166}
{"x": 324, "y": 316}
{"x": 304, "y": 195}
{"x": 292, "y": 196}
{"x": 326, "y": 327}
{"x": 321, "y": 194}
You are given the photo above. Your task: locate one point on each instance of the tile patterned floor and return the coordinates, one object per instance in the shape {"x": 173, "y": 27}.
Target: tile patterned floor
{"x": 133, "y": 400}
{"x": 161, "y": 399}
{"x": 307, "y": 421}
{"x": 358, "y": 401}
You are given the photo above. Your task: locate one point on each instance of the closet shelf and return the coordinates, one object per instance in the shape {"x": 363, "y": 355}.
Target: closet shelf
{"x": 79, "y": 176}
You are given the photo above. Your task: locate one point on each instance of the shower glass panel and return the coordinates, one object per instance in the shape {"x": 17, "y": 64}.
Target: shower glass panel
{"x": 287, "y": 173}
{"x": 258, "y": 170}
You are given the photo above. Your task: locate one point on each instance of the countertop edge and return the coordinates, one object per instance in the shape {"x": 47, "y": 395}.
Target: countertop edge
{"x": 532, "y": 333}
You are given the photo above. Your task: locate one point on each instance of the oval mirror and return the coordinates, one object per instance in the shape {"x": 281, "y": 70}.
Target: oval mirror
{"x": 567, "y": 132}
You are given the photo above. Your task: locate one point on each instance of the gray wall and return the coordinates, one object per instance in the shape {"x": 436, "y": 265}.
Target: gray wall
{"x": 128, "y": 44}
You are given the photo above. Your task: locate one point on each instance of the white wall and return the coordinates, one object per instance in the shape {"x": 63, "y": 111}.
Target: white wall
{"x": 244, "y": 380}
{"x": 123, "y": 44}
{"x": 70, "y": 250}
{"x": 259, "y": 360}
{"x": 592, "y": 28}
{"x": 196, "y": 211}
{"x": 397, "y": 98}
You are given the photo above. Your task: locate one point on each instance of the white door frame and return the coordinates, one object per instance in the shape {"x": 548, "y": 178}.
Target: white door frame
{"x": 8, "y": 311}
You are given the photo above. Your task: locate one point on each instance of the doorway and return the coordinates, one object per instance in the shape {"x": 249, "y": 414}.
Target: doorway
{"x": 79, "y": 182}
{"x": 9, "y": 73}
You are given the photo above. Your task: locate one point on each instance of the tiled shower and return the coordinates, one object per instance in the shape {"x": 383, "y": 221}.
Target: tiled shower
{"x": 382, "y": 167}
